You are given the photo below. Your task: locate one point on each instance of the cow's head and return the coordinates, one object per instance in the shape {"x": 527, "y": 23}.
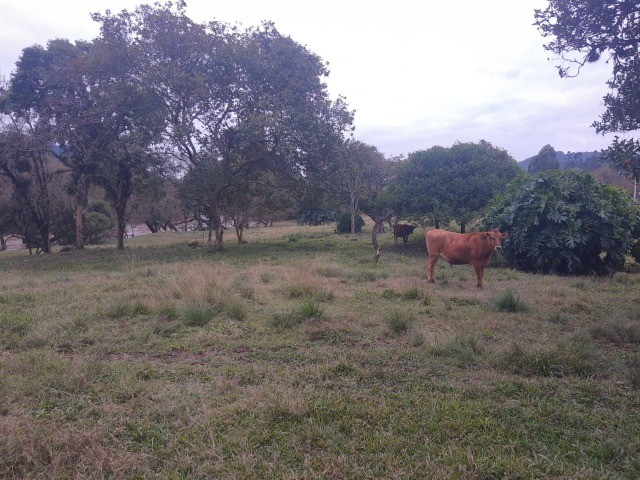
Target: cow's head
{"x": 410, "y": 229}
{"x": 494, "y": 236}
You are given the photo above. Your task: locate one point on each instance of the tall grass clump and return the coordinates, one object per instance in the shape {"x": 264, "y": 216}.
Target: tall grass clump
{"x": 576, "y": 357}
{"x": 236, "y": 310}
{"x": 617, "y": 333}
{"x": 284, "y": 320}
{"x": 398, "y": 322}
{"x": 198, "y": 315}
{"x": 128, "y": 309}
{"x": 464, "y": 351}
{"x": 510, "y": 302}
{"x": 310, "y": 310}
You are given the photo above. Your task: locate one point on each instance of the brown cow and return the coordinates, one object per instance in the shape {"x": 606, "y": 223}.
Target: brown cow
{"x": 462, "y": 249}
{"x": 401, "y": 230}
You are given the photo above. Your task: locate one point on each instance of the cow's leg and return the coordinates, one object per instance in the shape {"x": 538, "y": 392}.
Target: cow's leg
{"x": 404, "y": 240}
{"x": 431, "y": 265}
{"x": 479, "y": 269}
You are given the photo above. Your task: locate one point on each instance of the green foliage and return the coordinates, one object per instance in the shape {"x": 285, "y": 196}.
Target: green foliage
{"x": 624, "y": 157}
{"x": 344, "y": 223}
{"x": 546, "y": 159}
{"x": 310, "y": 309}
{"x": 565, "y": 223}
{"x": 510, "y": 302}
{"x": 576, "y": 357}
{"x": 98, "y": 224}
{"x": 316, "y": 216}
{"x": 399, "y": 322}
{"x": 451, "y": 183}
{"x": 199, "y": 315}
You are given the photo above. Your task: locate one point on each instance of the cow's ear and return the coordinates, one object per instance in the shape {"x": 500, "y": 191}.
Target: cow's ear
{"x": 504, "y": 235}
{"x": 487, "y": 234}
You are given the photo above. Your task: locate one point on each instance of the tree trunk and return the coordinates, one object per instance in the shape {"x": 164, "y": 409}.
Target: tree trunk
{"x": 121, "y": 225}
{"x": 378, "y": 226}
{"x": 437, "y": 223}
{"x": 239, "y": 231}
{"x": 152, "y": 227}
{"x": 45, "y": 240}
{"x": 462, "y": 227}
{"x": 354, "y": 208}
{"x": 216, "y": 218}
{"x": 81, "y": 197}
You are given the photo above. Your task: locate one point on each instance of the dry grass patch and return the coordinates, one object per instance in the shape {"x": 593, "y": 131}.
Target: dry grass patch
{"x": 299, "y": 284}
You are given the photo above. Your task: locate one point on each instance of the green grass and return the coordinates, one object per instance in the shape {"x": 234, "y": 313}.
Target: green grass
{"x": 295, "y": 356}
{"x": 510, "y": 302}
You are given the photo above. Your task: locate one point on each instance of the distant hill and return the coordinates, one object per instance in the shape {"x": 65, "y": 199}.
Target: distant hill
{"x": 582, "y": 160}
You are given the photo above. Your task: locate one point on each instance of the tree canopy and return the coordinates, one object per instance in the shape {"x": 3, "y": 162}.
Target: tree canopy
{"x": 235, "y": 103}
{"x": 451, "y": 183}
{"x": 226, "y": 108}
{"x": 624, "y": 156}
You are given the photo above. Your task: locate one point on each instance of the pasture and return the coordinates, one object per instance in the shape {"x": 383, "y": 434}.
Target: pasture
{"x": 295, "y": 356}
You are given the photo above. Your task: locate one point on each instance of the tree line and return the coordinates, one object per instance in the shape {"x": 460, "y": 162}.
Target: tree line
{"x": 222, "y": 120}
{"x": 207, "y": 122}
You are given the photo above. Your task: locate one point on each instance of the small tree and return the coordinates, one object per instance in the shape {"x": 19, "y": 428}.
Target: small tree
{"x": 624, "y": 157}
{"x": 565, "y": 222}
{"x": 546, "y": 159}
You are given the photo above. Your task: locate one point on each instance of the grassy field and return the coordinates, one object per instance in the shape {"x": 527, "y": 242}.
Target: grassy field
{"x": 295, "y": 356}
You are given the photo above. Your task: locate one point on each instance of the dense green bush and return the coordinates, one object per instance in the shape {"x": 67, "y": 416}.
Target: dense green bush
{"x": 316, "y": 216}
{"x": 565, "y": 222}
{"x": 344, "y": 223}
{"x": 98, "y": 224}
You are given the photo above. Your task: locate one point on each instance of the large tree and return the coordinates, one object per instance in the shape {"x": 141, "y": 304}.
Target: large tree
{"x": 236, "y": 103}
{"x": 452, "y": 183}
{"x": 584, "y": 31}
{"x": 49, "y": 86}
{"x": 98, "y": 118}
{"x": 35, "y": 179}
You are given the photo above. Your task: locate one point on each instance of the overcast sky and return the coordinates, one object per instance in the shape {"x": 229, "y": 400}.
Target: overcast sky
{"x": 418, "y": 74}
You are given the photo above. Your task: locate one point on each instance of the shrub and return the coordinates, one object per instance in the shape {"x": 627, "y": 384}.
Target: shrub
{"x": 344, "y": 223}
{"x": 566, "y": 223}
{"x": 316, "y": 216}
{"x": 97, "y": 220}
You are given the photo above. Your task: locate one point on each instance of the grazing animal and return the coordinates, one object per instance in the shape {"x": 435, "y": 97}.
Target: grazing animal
{"x": 462, "y": 249}
{"x": 401, "y": 230}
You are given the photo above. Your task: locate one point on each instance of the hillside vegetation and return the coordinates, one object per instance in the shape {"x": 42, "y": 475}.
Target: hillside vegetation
{"x": 296, "y": 356}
